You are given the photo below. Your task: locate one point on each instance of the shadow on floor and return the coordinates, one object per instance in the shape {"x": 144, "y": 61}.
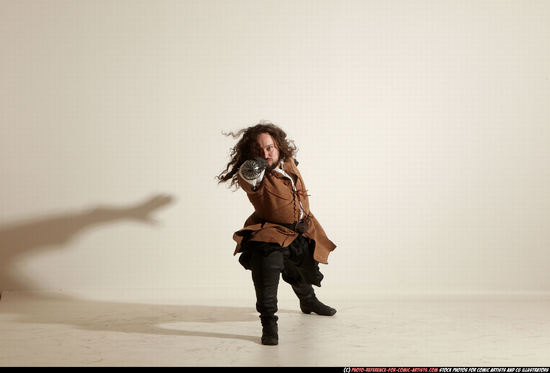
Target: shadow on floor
{"x": 123, "y": 317}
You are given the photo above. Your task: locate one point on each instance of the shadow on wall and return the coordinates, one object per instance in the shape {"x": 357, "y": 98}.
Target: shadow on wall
{"x": 35, "y": 235}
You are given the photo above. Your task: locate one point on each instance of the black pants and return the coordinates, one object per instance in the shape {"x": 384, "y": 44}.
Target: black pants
{"x": 268, "y": 260}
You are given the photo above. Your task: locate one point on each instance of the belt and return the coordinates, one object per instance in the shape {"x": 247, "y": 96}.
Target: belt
{"x": 298, "y": 226}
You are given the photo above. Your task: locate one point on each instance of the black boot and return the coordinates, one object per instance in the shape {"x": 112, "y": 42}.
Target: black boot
{"x": 309, "y": 302}
{"x": 266, "y": 270}
{"x": 270, "y": 331}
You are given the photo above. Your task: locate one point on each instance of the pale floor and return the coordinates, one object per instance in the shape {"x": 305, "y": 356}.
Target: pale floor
{"x": 52, "y": 330}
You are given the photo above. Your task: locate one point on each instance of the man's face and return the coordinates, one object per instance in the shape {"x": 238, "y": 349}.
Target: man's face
{"x": 268, "y": 149}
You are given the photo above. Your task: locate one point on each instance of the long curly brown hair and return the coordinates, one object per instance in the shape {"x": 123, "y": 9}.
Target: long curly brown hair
{"x": 248, "y": 148}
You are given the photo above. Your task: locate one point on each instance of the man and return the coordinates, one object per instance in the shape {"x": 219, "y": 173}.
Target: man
{"x": 282, "y": 235}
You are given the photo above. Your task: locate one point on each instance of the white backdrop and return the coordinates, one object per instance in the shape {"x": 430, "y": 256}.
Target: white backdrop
{"x": 422, "y": 127}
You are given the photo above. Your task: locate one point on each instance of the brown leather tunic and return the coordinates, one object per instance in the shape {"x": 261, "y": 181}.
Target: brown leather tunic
{"x": 275, "y": 202}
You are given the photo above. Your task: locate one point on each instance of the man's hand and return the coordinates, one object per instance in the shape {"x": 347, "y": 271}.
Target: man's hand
{"x": 252, "y": 168}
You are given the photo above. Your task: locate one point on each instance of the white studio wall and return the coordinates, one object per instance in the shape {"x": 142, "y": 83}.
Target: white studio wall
{"x": 422, "y": 129}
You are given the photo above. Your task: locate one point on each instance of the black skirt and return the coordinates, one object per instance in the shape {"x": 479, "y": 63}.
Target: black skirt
{"x": 298, "y": 259}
